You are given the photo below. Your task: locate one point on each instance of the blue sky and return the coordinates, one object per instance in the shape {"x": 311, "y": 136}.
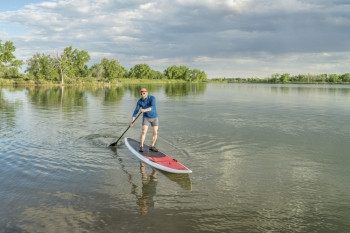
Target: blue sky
{"x": 225, "y": 38}
{"x": 15, "y": 4}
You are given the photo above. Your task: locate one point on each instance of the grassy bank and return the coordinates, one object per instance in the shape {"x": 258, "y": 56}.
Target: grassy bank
{"x": 92, "y": 82}
{"x": 86, "y": 82}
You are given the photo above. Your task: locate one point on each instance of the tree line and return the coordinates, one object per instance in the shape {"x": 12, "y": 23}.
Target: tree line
{"x": 287, "y": 78}
{"x": 71, "y": 65}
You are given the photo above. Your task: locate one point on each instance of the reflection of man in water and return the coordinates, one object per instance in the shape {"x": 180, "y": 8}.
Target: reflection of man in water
{"x": 148, "y": 189}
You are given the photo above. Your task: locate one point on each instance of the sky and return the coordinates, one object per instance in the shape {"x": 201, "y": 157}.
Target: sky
{"x": 224, "y": 38}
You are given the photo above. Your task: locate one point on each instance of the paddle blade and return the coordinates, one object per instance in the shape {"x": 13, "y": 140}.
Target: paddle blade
{"x": 113, "y": 144}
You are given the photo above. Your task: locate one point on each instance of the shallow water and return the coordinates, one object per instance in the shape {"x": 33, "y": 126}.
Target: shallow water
{"x": 265, "y": 158}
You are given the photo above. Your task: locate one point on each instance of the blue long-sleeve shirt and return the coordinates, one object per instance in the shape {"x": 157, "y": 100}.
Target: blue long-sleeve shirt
{"x": 150, "y": 101}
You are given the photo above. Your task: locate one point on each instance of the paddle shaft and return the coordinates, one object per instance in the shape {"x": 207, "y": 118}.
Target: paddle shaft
{"x": 115, "y": 143}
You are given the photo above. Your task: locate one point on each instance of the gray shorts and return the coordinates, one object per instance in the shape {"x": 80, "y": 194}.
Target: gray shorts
{"x": 152, "y": 121}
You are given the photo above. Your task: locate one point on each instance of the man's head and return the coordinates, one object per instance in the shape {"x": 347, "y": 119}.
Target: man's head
{"x": 144, "y": 92}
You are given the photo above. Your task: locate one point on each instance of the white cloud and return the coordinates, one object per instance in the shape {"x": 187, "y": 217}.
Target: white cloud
{"x": 237, "y": 37}
{"x": 218, "y": 5}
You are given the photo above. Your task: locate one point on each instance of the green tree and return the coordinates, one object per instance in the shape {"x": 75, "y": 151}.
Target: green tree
{"x": 178, "y": 72}
{"x": 321, "y": 78}
{"x": 157, "y": 74}
{"x": 112, "y": 70}
{"x": 75, "y": 61}
{"x": 42, "y": 66}
{"x": 333, "y": 78}
{"x": 198, "y": 75}
{"x": 72, "y": 63}
{"x": 345, "y": 77}
{"x": 274, "y": 78}
{"x": 9, "y": 65}
{"x": 140, "y": 71}
{"x": 6, "y": 52}
{"x": 96, "y": 71}
{"x": 284, "y": 78}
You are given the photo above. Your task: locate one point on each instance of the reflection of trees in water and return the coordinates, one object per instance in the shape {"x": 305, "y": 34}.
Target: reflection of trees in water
{"x": 171, "y": 89}
{"x": 308, "y": 89}
{"x": 57, "y": 96}
{"x": 184, "y": 89}
{"x": 107, "y": 95}
{"x": 134, "y": 89}
{"x": 3, "y": 103}
{"x": 69, "y": 97}
{"x": 7, "y": 111}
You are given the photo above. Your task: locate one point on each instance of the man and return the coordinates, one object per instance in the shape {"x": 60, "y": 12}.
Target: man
{"x": 147, "y": 105}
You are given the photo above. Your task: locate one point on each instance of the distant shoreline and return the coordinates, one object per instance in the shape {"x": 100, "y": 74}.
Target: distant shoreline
{"x": 120, "y": 82}
{"x": 89, "y": 82}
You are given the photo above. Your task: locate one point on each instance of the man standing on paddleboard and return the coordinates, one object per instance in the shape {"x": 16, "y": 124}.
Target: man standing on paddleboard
{"x": 147, "y": 105}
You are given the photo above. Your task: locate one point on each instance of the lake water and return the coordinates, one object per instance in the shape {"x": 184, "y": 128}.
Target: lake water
{"x": 265, "y": 158}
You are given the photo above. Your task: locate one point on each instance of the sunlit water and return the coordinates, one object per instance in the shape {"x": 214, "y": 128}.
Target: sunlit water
{"x": 265, "y": 158}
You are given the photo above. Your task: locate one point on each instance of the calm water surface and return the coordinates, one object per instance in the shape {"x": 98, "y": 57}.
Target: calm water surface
{"x": 265, "y": 158}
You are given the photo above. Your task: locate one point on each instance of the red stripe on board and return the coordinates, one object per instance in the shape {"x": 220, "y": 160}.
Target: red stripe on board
{"x": 167, "y": 161}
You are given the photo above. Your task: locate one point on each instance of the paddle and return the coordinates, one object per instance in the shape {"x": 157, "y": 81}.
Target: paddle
{"x": 115, "y": 143}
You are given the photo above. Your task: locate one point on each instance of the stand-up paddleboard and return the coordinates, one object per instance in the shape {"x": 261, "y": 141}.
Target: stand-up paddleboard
{"x": 157, "y": 160}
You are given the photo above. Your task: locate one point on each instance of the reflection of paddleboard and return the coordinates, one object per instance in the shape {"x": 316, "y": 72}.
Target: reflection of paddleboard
{"x": 157, "y": 160}
{"x": 181, "y": 179}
